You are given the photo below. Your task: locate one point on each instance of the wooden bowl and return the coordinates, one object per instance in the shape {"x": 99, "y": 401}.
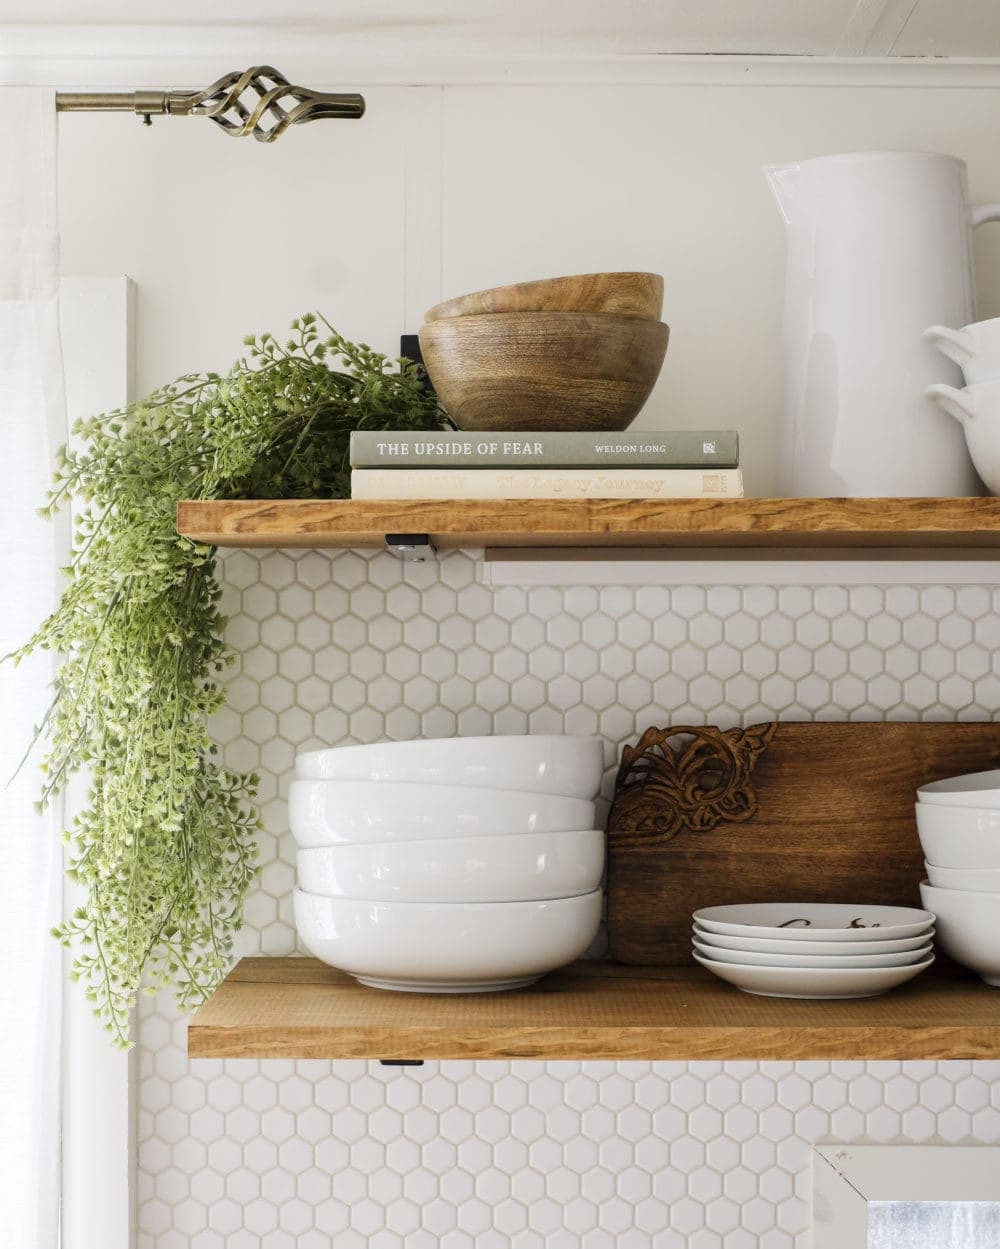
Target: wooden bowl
{"x": 543, "y": 370}
{"x": 627, "y": 294}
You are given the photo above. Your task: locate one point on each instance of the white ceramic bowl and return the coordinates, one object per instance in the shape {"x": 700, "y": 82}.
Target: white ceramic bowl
{"x": 814, "y": 982}
{"x": 440, "y": 947}
{"x": 973, "y": 879}
{"x": 539, "y": 763}
{"x": 328, "y": 813}
{"x": 522, "y": 868}
{"x": 966, "y": 837}
{"x": 755, "y": 958}
{"x": 827, "y": 921}
{"x": 968, "y": 928}
{"x": 779, "y": 945}
{"x": 973, "y": 789}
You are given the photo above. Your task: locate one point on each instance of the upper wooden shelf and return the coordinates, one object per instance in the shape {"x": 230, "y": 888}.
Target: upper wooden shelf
{"x": 819, "y": 523}
{"x": 298, "y": 1008}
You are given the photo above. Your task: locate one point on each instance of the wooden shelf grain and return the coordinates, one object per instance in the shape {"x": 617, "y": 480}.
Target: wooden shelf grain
{"x": 299, "y": 1008}
{"x": 739, "y": 523}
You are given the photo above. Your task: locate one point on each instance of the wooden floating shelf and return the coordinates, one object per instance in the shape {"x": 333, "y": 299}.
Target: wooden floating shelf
{"x": 757, "y": 523}
{"x": 299, "y": 1008}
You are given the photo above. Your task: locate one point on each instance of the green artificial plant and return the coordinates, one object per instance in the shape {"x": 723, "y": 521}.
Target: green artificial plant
{"x": 165, "y": 847}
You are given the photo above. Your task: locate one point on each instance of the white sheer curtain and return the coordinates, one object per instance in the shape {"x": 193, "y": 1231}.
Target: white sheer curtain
{"x": 32, "y": 424}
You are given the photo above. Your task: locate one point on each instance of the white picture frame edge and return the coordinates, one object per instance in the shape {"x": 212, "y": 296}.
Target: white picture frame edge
{"x": 847, "y": 1177}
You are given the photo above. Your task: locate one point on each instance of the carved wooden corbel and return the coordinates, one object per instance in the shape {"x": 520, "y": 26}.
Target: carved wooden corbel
{"x": 687, "y": 779}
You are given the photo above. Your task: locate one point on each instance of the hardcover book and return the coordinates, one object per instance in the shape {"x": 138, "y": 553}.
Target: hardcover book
{"x": 579, "y": 449}
{"x": 526, "y": 483}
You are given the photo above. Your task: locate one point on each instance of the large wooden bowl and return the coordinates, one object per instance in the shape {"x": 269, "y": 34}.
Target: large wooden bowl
{"x": 543, "y": 370}
{"x": 628, "y": 294}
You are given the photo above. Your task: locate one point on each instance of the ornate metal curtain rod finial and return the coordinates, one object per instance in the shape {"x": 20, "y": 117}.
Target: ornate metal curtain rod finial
{"x": 259, "y": 101}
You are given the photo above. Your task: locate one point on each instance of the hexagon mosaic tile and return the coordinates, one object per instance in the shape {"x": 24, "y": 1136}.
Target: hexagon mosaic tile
{"x": 357, "y": 646}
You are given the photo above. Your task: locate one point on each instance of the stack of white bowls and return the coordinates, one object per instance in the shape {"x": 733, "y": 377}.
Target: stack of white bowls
{"x": 959, "y": 825}
{"x": 457, "y": 865}
{"x": 813, "y": 949}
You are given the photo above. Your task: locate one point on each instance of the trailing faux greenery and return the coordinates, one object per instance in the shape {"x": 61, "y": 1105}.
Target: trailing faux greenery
{"x": 165, "y": 847}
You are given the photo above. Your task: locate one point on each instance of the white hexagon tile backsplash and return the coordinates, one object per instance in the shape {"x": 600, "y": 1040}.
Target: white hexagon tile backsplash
{"x": 524, "y": 1155}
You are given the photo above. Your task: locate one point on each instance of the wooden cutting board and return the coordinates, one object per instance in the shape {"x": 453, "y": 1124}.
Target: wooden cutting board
{"x": 774, "y": 812}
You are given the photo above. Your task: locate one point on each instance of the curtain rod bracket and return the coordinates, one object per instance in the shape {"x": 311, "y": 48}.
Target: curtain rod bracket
{"x": 258, "y": 101}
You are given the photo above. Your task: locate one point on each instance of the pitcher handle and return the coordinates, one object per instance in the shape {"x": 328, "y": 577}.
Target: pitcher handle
{"x": 983, "y": 212}
{"x": 957, "y": 345}
{"x": 952, "y": 400}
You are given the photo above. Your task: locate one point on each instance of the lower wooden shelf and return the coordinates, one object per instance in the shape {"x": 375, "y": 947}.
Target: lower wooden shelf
{"x": 299, "y": 1008}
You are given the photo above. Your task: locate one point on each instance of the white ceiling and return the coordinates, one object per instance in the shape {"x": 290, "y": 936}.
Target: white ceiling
{"x": 962, "y": 28}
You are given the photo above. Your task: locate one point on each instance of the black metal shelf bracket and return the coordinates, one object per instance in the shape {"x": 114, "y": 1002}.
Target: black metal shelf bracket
{"x": 414, "y": 548}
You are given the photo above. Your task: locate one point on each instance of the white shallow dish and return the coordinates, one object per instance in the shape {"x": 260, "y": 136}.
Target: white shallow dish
{"x": 968, "y": 926}
{"x": 443, "y": 947}
{"x": 814, "y": 982}
{"x": 973, "y": 789}
{"x": 327, "y": 813}
{"x": 972, "y": 879}
{"x": 778, "y": 945}
{"x": 755, "y": 958}
{"x": 522, "y": 868}
{"x": 828, "y": 921}
{"x": 539, "y": 763}
{"x": 959, "y": 837}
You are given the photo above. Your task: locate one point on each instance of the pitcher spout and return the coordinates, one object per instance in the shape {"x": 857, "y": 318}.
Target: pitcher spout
{"x": 783, "y": 181}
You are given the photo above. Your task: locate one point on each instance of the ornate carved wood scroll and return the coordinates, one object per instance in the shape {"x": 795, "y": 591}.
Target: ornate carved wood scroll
{"x": 687, "y": 779}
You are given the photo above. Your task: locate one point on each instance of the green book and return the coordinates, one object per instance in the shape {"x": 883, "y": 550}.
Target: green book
{"x": 375, "y": 448}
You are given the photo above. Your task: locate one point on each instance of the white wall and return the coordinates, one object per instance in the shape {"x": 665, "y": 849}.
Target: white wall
{"x": 442, "y": 190}
{"x": 439, "y": 191}
{"x": 269, "y": 1154}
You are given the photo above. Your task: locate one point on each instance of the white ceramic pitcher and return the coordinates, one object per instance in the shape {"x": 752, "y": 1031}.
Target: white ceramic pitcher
{"x": 879, "y": 247}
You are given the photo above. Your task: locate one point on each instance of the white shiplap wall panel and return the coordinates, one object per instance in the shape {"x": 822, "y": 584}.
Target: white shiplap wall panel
{"x": 433, "y": 28}
{"x": 950, "y": 28}
{"x": 395, "y": 27}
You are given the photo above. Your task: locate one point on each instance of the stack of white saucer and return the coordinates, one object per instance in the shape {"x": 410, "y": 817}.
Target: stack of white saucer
{"x": 813, "y": 949}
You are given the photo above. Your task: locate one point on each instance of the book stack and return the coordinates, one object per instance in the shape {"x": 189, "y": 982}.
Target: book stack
{"x": 548, "y": 465}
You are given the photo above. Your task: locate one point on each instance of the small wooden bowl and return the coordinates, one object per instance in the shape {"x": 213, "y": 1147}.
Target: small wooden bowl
{"x": 627, "y": 294}
{"x": 543, "y": 370}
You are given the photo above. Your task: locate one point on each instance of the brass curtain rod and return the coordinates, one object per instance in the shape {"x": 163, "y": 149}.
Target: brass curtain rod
{"x": 259, "y": 101}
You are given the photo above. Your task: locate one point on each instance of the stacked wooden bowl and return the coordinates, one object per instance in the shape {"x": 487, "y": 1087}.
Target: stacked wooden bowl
{"x": 567, "y": 353}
